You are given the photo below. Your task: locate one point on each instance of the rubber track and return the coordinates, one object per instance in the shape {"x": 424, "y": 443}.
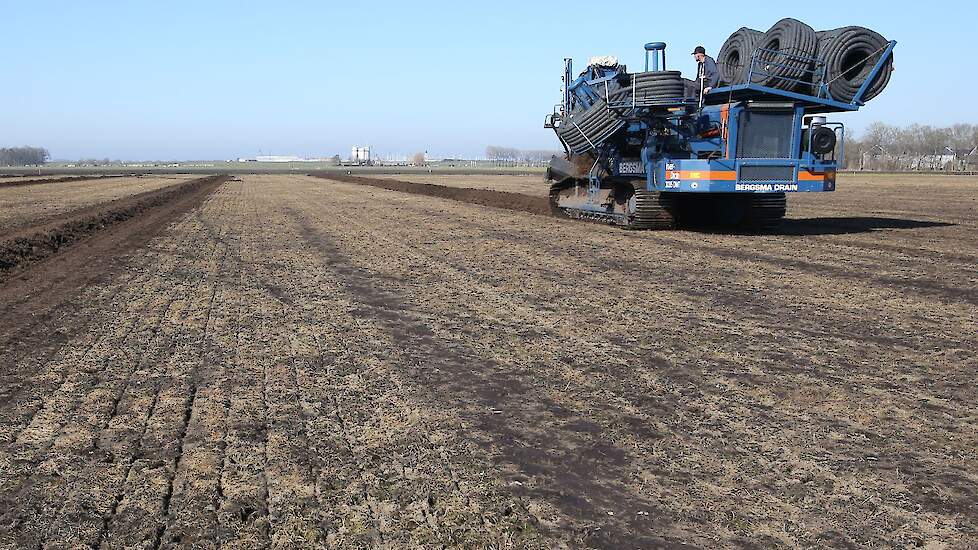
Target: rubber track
{"x": 766, "y": 210}
{"x": 653, "y": 210}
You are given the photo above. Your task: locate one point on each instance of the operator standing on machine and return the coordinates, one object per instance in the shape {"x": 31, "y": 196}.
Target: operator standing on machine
{"x": 707, "y": 75}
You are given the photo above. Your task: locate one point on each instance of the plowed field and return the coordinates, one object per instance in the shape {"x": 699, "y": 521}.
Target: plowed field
{"x": 289, "y": 361}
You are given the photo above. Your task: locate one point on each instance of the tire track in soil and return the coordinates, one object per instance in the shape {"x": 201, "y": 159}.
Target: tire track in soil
{"x": 894, "y": 446}
{"x": 290, "y": 468}
{"x": 342, "y": 452}
{"x": 430, "y": 261}
{"x": 360, "y": 416}
{"x": 173, "y": 530}
{"x": 446, "y": 373}
{"x": 482, "y": 197}
{"x": 143, "y": 504}
{"x": 191, "y": 401}
{"x": 600, "y": 262}
{"x": 93, "y": 486}
{"x": 409, "y": 465}
{"x": 847, "y": 260}
{"x": 194, "y": 512}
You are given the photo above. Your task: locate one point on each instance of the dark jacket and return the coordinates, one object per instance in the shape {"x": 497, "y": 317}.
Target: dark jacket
{"x": 708, "y": 70}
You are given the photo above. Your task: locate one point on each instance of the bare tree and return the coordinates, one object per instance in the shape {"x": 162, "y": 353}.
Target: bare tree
{"x": 23, "y": 156}
{"x": 913, "y": 147}
{"x": 513, "y": 156}
{"x": 418, "y": 159}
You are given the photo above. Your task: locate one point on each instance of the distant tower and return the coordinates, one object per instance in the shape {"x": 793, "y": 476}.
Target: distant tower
{"x": 360, "y": 155}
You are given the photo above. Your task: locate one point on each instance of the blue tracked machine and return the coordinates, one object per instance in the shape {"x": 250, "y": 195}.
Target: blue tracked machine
{"x": 649, "y": 150}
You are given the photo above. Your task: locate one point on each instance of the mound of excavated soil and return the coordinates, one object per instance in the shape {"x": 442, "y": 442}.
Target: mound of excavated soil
{"x": 35, "y": 181}
{"x": 483, "y": 197}
{"x": 31, "y": 244}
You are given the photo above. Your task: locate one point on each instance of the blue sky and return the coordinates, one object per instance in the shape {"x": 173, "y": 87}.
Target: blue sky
{"x": 211, "y": 80}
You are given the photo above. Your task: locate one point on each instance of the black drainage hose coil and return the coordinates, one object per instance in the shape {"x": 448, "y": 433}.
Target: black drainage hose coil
{"x": 846, "y": 56}
{"x": 587, "y": 129}
{"x": 733, "y": 61}
{"x": 785, "y": 59}
{"x": 849, "y": 54}
{"x": 652, "y": 86}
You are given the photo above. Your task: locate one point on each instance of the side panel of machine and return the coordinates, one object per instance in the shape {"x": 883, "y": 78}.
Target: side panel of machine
{"x": 734, "y": 176}
{"x": 748, "y": 148}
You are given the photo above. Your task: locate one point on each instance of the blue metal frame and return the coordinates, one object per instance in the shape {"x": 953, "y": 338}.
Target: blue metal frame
{"x": 827, "y": 103}
{"x": 858, "y": 99}
{"x": 656, "y": 47}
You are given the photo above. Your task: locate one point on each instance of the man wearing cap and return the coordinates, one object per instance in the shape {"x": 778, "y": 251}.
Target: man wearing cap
{"x": 707, "y": 75}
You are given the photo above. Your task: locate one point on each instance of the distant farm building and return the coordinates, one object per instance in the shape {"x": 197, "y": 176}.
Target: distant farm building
{"x": 360, "y": 155}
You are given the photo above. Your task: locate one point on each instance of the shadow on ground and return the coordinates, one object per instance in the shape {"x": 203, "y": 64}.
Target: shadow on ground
{"x": 846, "y": 225}
{"x": 816, "y": 226}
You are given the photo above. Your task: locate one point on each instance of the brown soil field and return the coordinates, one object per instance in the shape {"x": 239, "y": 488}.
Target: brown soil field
{"x": 292, "y": 361}
{"x": 27, "y": 204}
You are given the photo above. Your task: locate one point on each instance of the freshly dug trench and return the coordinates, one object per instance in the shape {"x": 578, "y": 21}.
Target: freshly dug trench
{"x": 32, "y": 244}
{"x": 65, "y": 179}
{"x": 483, "y": 197}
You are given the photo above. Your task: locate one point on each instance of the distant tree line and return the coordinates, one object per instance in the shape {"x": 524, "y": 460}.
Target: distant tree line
{"x": 519, "y": 157}
{"x": 23, "y": 156}
{"x": 914, "y": 147}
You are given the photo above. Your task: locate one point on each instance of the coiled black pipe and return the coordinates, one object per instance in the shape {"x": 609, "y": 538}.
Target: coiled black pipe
{"x": 846, "y": 54}
{"x": 598, "y": 123}
{"x": 733, "y": 61}
{"x": 652, "y": 86}
{"x": 790, "y": 46}
{"x": 849, "y": 54}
